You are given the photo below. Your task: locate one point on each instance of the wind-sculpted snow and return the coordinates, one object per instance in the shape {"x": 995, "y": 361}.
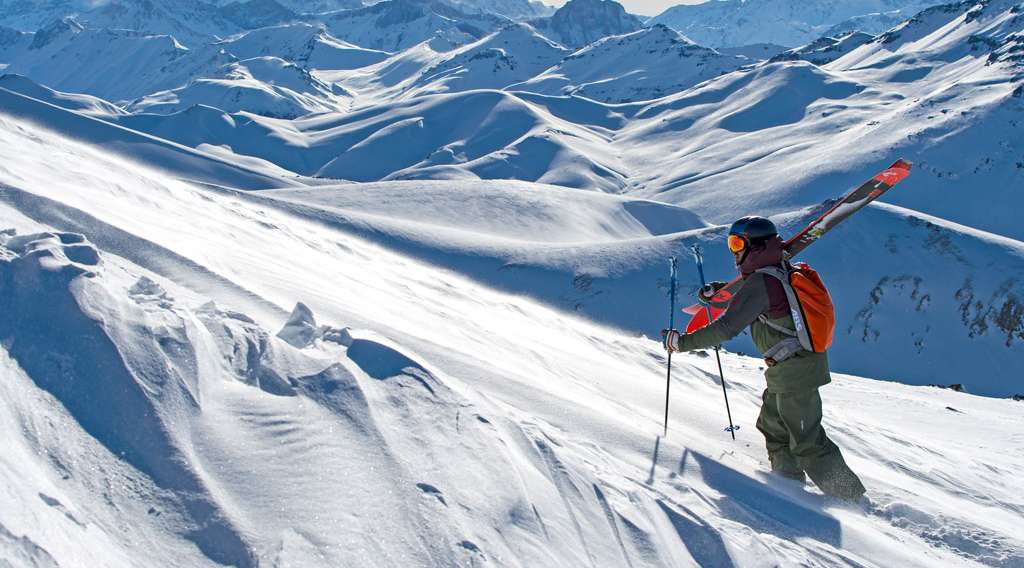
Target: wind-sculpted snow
{"x": 129, "y": 380}
{"x": 150, "y": 379}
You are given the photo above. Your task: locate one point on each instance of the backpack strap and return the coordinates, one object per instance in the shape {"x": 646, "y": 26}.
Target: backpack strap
{"x": 781, "y": 272}
{"x": 764, "y": 319}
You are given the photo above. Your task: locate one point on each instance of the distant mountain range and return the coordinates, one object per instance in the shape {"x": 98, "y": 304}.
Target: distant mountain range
{"x": 398, "y": 24}
{"x": 791, "y": 23}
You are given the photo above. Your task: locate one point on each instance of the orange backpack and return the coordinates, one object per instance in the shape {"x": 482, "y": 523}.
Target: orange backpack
{"x": 810, "y": 304}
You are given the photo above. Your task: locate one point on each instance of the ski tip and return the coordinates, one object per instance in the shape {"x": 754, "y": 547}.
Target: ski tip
{"x": 894, "y": 173}
{"x": 902, "y": 164}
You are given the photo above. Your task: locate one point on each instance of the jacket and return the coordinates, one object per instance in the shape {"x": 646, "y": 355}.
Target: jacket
{"x": 763, "y": 294}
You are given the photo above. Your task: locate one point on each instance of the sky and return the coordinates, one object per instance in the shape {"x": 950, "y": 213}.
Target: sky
{"x": 639, "y": 7}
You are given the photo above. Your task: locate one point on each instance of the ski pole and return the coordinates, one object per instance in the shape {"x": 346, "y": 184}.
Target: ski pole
{"x": 671, "y": 325}
{"x": 700, "y": 271}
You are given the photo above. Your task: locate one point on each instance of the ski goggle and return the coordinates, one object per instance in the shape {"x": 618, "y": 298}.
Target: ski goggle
{"x": 737, "y": 243}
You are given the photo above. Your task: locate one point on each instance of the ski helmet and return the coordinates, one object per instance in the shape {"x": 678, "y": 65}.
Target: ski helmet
{"x": 750, "y": 231}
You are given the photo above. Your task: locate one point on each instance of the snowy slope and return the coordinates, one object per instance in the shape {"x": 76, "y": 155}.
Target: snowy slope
{"x": 922, "y": 266}
{"x": 83, "y": 104}
{"x": 406, "y": 414}
{"x": 156, "y": 152}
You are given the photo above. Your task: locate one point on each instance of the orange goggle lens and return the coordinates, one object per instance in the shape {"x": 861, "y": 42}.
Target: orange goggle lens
{"x": 737, "y": 243}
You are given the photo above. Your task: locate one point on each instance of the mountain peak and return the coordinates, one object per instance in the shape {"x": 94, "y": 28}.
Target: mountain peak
{"x": 582, "y": 22}
{"x": 61, "y": 27}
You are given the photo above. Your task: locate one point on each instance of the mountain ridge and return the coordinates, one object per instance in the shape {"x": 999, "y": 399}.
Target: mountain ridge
{"x": 726, "y": 23}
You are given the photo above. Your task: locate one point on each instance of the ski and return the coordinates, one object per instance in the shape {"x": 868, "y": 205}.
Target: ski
{"x": 843, "y": 209}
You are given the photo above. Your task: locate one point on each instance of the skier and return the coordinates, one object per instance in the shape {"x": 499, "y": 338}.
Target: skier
{"x": 790, "y": 417}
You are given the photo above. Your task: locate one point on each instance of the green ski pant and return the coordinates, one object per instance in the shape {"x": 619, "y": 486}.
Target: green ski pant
{"x": 796, "y": 443}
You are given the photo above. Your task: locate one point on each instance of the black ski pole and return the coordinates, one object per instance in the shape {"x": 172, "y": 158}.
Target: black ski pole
{"x": 671, "y": 324}
{"x": 700, "y": 271}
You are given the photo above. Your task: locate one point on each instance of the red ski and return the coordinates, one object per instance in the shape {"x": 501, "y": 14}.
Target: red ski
{"x": 838, "y": 213}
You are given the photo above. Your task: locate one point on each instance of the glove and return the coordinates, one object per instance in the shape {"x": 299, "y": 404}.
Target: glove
{"x": 670, "y": 340}
{"x": 705, "y": 293}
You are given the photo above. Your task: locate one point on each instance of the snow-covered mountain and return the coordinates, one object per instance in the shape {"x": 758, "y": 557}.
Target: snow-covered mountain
{"x": 382, "y": 286}
{"x": 514, "y": 54}
{"x": 581, "y": 22}
{"x": 191, "y": 23}
{"x": 311, "y": 47}
{"x": 313, "y": 6}
{"x": 268, "y": 86}
{"x": 116, "y": 65}
{"x": 514, "y": 9}
{"x": 31, "y": 15}
{"x": 395, "y": 25}
{"x": 11, "y": 42}
{"x": 734, "y": 23}
{"x": 643, "y": 65}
